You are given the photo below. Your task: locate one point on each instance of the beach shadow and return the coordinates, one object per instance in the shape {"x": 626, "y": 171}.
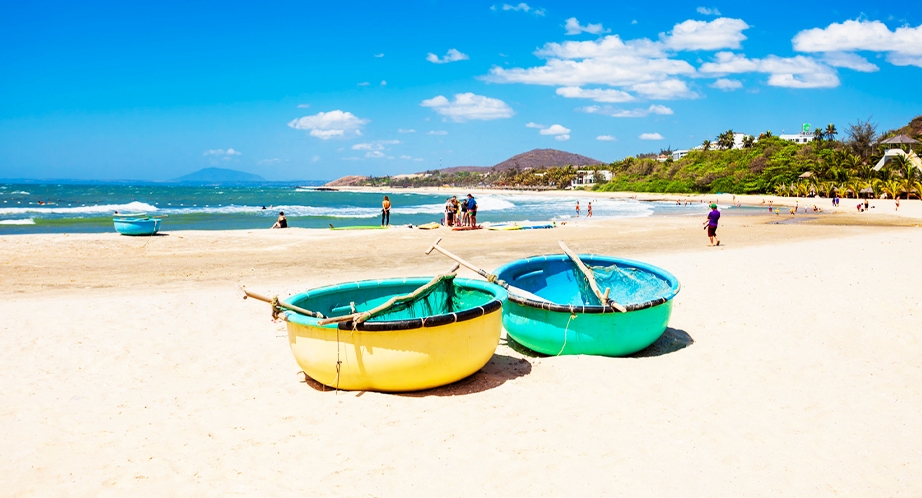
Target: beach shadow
{"x": 496, "y": 372}
{"x": 671, "y": 341}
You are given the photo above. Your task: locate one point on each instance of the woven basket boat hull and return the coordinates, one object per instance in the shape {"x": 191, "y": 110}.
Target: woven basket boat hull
{"x": 593, "y": 330}
{"x": 393, "y": 356}
{"x": 137, "y": 226}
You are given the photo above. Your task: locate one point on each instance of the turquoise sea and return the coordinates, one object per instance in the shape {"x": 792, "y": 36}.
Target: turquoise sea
{"x": 57, "y": 208}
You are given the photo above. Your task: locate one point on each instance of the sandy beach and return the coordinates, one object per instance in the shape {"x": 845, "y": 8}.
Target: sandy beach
{"x": 790, "y": 368}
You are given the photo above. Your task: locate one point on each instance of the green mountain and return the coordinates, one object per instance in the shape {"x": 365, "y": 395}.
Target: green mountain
{"x": 211, "y": 175}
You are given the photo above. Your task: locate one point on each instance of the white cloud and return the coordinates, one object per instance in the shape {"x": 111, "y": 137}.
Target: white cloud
{"x": 850, "y": 61}
{"x": 303, "y": 106}
{"x": 708, "y": 11}
{"x": 468, "y": 106}
{"x": 650, "y": 136}
{"x": 401, "y": 130}
{"x": 274, "y": 160}
{"x": 555, "y": 129}
{"x": 379, "y": 55}
{"x": 596, "y": 94}
{"x": 535, "y": 125}
{"x": 626, "y": 113}
{"x": 374, "y": 154}
{"x": 668, "y": 89}
{"x": 727, "y": 85}
{"x": 851, "y": 36}
{"x": 573, "y": 27}
{"x": 383, "y": 83}
{"x": 522, "y": 7}
{"x": 606, "y": 138}
{"x": 706, "y": 35}
{"x": 226, "y": 154}
{"x": 327, "y": 125}
{"x": 790, "y": 72}
{"x": 562, "y": 138}
{"x": 376, "y": 145}
{"x": 453, "y": 55}
{"x": 406, "y": 157}
{"x": 437, "y": 132}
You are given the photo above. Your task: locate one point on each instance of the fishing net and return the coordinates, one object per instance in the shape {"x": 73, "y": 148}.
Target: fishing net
{"x": 627, "y": 285}
{"x": 442, "y": 298}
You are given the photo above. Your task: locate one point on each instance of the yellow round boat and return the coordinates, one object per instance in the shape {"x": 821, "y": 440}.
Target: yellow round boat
{"x": 443, "y": 338}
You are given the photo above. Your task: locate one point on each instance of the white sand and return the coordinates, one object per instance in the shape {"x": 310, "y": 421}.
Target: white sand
{"x": 134, "y": 370}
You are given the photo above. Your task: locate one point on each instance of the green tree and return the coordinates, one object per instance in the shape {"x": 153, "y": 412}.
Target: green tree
{"x": 706, "y": 145}
{"x": 831, "y": 132}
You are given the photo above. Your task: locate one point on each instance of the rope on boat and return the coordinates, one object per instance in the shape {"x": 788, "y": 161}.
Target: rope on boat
{"x": 566, "y": 329}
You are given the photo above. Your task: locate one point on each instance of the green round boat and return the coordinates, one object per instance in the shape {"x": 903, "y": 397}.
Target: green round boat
{"x": 568, "y": 323}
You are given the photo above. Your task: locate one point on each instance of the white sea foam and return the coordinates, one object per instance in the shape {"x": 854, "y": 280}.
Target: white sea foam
{"x": 131, "y": 207}
{"x": 27, "y": 221}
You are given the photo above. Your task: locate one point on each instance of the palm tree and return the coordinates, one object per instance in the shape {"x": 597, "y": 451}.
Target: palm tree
{"x": 825, "y": 188}
{"x": 893, "y": 188}
{"x": 831, "y": 132}
{"x": 915, "y": 187}
{"x": 818, "y": 135}
{"x": 765, "y": 134}
{"x": 706, "y": 145}
{"x": 781, "y": 189}
{"x": 902, "y": 165}
{"x": 748, "y": 141}
{"x": 725, "y": 140}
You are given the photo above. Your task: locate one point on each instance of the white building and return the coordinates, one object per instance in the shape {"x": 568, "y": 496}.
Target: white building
{"x": 587, "y": 177}
{"x": 800, "y": 138}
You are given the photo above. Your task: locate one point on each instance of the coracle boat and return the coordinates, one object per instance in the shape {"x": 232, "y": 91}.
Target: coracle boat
{"x": 440, "y": 336}
{"x": 571, "y": 321}
{"x": 136, "y": 225}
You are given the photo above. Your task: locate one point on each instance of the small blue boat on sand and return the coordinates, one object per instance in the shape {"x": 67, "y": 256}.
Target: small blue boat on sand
{"x": 143, "y": 225}
{"x": 572, "y": 321}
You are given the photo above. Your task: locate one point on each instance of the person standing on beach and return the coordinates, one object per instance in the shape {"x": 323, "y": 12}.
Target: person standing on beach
{"x": 449, "y": 212}
{"x": 385, "y": 212}
{"x": 282, "y": 222}
{"x": 589, "y": 210}
{"x": 711, "y": 226}
{"x": 472, "y": 210}
{"x": 577, "y": 209}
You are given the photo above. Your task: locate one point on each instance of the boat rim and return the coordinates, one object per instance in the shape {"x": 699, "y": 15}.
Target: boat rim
{"x": 675, "y": 286}
{"x": 491, "y": 306}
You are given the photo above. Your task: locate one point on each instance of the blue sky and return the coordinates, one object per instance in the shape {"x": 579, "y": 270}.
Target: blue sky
{"x": 317, "y": 90}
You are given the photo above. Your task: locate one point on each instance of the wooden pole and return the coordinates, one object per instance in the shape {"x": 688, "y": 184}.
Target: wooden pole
{"x": 483, "y": 273}
{"x": 603, "y": 298}
{"x": 281, "y": 304}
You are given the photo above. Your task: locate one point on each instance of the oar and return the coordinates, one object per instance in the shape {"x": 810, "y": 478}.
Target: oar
{"x": 365, "y": 315}
{"x": 603, "y": 298}
{"x": 489, "y": 276}
{"x": 280, "y": 304}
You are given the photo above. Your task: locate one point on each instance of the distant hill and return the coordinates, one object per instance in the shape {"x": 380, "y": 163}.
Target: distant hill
{"x": 545, "y": 158}
{"x": 346, "y": 181}
{"x": 219, "y": 175}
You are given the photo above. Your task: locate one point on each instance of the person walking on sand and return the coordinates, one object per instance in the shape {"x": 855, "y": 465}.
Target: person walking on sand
{"x": 385, "y": 212}
{"x": 589, "y": 210}
{"x": 711, "y": 226}
{"x": 577, "y": 209}
{"x": 282, "y": 222}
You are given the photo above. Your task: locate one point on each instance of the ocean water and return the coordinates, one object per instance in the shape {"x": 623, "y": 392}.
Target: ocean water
{"x": 59, "y": 208}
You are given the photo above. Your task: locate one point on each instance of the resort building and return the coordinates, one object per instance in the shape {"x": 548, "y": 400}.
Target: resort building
{"x": 800, "y": 138}
{"x": 587, "y": 177}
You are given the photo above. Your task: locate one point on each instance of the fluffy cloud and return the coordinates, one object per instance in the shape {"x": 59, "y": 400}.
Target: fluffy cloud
{"x": 468, "y": 106}
{"x": 225, "y": 154}
{"x": 560, "y": 133}
{"x": 903, "y": 45}
{"x": 401, "y": 130}
{"x": 376, "y": 145}
{"x": 706, "y": 35}
{"x": 650, "y": 136}
{"x": 596, "y": 94}
{"x": 573, "y": 27}
{"x": 606, "y": 138}
{"x": 667, "y": 89}
{"x": 535, "y": 125}
{"x": 522, "y": 7}
{"x": 626, "y": 113}
{"x": 411, "y": 158}
{"x": 727, "y": 85}
{"x": 789, "y": 72}
{"x": 452, "y": 56}
{"x": 708, "y": 11}
{"x": 327, "y": 125}
{"x": 437, "y": 132}
{"x": 854, "y": 62}
{"x": 303, "y": 106}
{"x": 379, "y": 55}
{"x": 374, "y": 154}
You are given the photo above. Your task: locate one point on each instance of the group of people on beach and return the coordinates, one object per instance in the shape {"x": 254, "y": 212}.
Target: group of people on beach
{"x": 460, "y": 213}
{"x": 588, "y": 210}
